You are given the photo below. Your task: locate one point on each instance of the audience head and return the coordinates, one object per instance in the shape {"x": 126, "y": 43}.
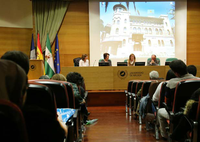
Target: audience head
{"x": 131, "y": 57}
{"x": 170, "y": 75}
{"x": 153, "y": 57}
{"x": 44, "y": 77}
{"x": 75, "y": 77}
{"x": 192, "y": 70}
{"x": 18, "y": 57}
{"x": 178, "y": 67}
{"x": 13, "y": 82}
{"x": 106, "y": 56}
{"x": 84, "y": 57}
{"x": 60, "y": 77}
{"x": 154, "y": 75}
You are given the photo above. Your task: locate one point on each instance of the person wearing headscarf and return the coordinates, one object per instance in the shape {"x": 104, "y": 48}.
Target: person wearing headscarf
{"x": 13, "y": 82}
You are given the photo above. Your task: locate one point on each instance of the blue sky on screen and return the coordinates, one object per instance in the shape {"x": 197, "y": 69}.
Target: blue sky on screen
{"x": 158, "y": 8}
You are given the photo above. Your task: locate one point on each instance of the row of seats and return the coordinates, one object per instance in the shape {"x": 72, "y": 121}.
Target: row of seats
{"x": 184, "y": 90}
{"x": 48, "y": 95}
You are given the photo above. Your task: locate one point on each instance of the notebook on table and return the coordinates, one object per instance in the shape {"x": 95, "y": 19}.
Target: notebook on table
{"x": 66, "y": 113}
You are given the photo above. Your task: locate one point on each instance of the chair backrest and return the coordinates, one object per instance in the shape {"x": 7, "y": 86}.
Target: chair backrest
{"x": 133, "y": 88}
{"x": 162, "y": 94}
{"x": 12, "y": 124}
{"x": 183, "y": 92}
{"x": 100, "y": 60}
{"x": 139, "y": 86}
{"x": 70, "y": 94}
{"x": 60, "y": 91}
{"x": 145, "y": 88}
{"x": 170, "y": 59}
{"x": 152, "y": 88}
{"x": 76, "y": 61}
{"x": 41, "y": 96}
{"x": 198, "y": 112}
{"x": 126, "y": 60}
{"x": 149, "y": 59}
{"x": 129, "y": 87}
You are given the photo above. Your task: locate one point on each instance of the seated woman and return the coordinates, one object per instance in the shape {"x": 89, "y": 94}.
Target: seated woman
{"x": 77, "y": 80}
{"x": 84, "y": 62}
{"x": 59, "y": 77}
{"x": 180, "y": 131}
{"x": 131, "y": 60}
{"x": 39, "y": 123}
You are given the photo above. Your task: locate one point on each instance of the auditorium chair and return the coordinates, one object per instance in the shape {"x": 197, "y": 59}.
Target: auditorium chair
{"x": 144, "y": 92}
{"x": 59, "y": 89}
{"x": 159, "y": 105}
{"x": 170, "y": 59}
{"x": 149, "y": 59}
{"x": 12, "y": 124}
{"x": 126, "y": 60}
{"x": 183, "y": 92}
{"x": 148, "y": 110}
{"x": 127, "y": 92}
{"x": 195, "y": 125}
{"x": 64, "y": 98}
{"x": 100, "y": 60}
{"x": 76, "y": 61}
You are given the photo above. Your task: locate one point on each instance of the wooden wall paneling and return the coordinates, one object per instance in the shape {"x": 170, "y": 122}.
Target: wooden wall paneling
{"x": 15, "y": 39}
{"x": 73, "y": 35}
{"x": 193, "y": 34}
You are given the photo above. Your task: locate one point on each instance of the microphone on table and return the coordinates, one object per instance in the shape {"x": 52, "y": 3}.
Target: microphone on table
{"x": 94, "y": 62}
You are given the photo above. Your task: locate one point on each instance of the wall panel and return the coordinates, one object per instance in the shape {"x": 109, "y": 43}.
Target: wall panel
{"x": 193, "y": 34}
{"x": 73, "y": 35}
{"x": 15, "y": 39}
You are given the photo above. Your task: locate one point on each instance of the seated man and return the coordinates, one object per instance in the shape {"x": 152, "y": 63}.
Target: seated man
{"x": 106, "y": 59}
{"x": 153, "y": 61}
{"x": 180, "y": 70}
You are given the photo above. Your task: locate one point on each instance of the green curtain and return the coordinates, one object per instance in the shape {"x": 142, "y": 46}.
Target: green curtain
{"x": 48, "y": 18}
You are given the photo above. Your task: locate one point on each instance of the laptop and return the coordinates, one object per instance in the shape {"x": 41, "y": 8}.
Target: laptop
{"x": 121, "y": 63}
{"x": 104, "y": 64}
{"x": 66, "y": 113}
{"x": 167, "y": 63}
{"x": 139, "y": 63}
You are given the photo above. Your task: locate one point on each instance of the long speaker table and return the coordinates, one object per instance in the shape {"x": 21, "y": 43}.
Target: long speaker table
{"x": 114, "y": 78}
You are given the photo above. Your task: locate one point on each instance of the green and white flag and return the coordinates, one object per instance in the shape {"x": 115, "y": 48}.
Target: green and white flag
{"x": 49, "y": 64}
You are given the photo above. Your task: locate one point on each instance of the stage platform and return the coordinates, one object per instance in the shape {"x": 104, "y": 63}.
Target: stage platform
{"x": 106, "y": 98}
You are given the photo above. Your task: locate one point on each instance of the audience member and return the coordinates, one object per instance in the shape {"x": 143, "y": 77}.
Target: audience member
{"x": 40, "y": 124}
{"x": 170, "y": 75}
{"x": 44, "y": 77}
{"x": 60, "y": 77}
{"x": 154, "y": 75}
{"x": 180, "y": 70}
{"x": 106, "y": 59}
{"x": 191, "y": 69}
{"x": 18, "y": 57}
{"x": 131, "y": 60}
{"x": 153, "y": 61}
{"x": 84, "y": 62}
{"x": 77, "y": 80}
{"x": 190, "y": 112}
{"x": 13, "y": 82}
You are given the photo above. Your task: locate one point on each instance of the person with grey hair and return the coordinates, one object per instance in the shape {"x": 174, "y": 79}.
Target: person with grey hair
{"x": 154, "y": 75}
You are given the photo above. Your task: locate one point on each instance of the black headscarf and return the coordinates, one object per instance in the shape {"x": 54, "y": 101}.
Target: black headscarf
{"x": 13, "y": 82}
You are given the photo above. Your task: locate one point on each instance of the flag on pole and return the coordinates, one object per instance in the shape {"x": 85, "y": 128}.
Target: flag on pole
{"x": 32, "y": 52}
{"x": 39, "y": 49}
{"x": 49, "y": 67}
{"x": 57, "y": 57}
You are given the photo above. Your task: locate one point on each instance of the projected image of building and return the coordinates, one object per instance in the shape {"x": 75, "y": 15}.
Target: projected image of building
{"x": 142, "y": 35}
